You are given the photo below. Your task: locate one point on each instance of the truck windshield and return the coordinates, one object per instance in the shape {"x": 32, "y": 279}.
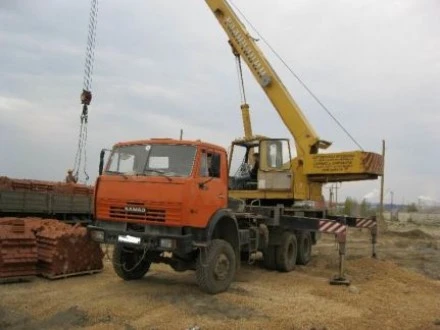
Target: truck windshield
{"x": 152, "y": 160}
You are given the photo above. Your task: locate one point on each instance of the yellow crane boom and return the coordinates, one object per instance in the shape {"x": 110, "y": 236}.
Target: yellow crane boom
{"x": 306, "y": 138}
{"x": 310, "y": 169}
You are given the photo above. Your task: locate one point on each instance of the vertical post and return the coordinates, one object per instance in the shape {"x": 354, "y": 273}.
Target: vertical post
{"x": 382, "y": 179}
{"x": 374, "y": 241}
{"x": 336, "y": 187}
{"x": 181, "y": 134}
{"x": 331, "y": 199}
{"x": 391, "y": 201}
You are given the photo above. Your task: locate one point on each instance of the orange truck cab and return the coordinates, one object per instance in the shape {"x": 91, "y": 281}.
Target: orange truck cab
{"x": 164, "y": 195}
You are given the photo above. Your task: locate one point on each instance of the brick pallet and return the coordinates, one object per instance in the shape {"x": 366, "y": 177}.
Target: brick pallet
{"x": 58, "y": 250}
{"x": 18, "y": 249}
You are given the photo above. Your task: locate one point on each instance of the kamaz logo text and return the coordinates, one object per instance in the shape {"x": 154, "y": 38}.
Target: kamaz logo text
{"x": 135, "y": 209}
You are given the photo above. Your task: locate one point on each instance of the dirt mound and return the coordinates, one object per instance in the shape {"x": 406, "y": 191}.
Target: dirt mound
{"x": 414, "y": 233}
{"x": 370, "y": 269}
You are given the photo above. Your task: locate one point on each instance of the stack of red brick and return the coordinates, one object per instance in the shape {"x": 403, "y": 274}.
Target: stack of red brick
{"x": 18, "y": 249}
{"x": 61, "y": 249}
{"x": 44, "y": 186}
{"x": 65, "y": 249}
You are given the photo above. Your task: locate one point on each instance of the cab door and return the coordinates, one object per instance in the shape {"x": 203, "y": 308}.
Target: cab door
{"x": 212, "y": 187}
{"x": 275, "y": 171}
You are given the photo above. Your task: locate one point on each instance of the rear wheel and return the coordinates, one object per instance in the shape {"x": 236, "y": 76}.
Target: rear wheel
{"x": 215, "y": 268}
{"x": 130, "y": 264}
{"x": 286, "y": 252}
{"x": 304, "y": 248}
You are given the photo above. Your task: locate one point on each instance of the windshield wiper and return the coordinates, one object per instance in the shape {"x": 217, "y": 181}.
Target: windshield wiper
{"x": 161, "y": 172}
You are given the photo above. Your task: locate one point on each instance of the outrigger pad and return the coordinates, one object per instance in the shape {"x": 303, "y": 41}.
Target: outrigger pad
{"x": 337, "y": 280}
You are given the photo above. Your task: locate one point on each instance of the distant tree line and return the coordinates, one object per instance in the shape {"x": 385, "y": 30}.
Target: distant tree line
{"x": 352, "y": 207}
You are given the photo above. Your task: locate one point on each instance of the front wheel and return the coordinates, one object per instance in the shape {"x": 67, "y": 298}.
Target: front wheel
{"x": 130, "y": 264}
{"x": 215, "y": 268}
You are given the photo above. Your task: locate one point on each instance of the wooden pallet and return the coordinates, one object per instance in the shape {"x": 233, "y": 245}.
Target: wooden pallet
{"x": 16, "y": 279}
{"x": 59, "y": 276}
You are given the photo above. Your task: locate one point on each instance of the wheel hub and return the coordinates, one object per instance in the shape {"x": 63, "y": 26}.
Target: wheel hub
{"x": 221, "y": 268}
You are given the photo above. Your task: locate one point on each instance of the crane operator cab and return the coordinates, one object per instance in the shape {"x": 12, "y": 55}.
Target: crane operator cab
{"x": 260, "y": 163}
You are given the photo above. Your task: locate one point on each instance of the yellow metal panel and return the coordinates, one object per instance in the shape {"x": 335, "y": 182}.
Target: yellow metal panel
{"x": 257, "y": 194}
{"x": 354, "y": 162}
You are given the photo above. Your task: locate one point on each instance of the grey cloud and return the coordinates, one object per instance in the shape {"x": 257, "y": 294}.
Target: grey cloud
{"x": 161, "y": 66}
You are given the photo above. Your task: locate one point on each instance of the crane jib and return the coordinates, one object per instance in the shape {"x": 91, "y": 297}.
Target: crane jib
{"x": 247, "y": 51}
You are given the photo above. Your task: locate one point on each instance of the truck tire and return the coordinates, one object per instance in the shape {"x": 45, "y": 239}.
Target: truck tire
{"x": 127, "y": 263}
{"x": 269, "y": 260}
{"x": 286, "y": 252}
{"x": 304, "y": 248}
{"x": 215, "y": 268}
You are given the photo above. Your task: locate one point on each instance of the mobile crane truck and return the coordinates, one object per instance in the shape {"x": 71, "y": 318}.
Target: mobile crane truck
{"x": 180, "y": 202}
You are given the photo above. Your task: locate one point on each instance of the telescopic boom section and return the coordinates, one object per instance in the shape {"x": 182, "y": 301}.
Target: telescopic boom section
{"x": 307, "y": 141}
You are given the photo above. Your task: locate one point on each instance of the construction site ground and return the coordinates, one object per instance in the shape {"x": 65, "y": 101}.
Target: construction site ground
{"x": 399, "y": 290}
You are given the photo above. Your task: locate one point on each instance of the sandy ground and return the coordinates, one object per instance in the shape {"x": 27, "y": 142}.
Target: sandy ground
{"x": 399, "y": 290}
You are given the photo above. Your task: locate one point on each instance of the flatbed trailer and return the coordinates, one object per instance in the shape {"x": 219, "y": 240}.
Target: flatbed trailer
{"x": 71, "y": 203}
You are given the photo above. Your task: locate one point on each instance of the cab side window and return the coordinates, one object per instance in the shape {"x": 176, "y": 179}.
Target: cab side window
{"x": 204, "y": 171}
{"x": 214, "y": 164}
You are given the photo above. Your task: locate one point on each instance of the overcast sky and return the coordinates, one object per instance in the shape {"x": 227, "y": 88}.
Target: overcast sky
{"x": 163, "y": 65}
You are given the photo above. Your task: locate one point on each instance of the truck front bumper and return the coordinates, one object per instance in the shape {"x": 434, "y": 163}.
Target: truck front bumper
{"x": 156, "y": 238}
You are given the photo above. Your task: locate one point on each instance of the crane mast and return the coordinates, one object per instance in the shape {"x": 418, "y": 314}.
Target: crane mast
{"x": 306, "y": 139}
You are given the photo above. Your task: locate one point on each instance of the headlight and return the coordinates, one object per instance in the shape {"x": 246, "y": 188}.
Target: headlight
{"x": 167, "y": 243}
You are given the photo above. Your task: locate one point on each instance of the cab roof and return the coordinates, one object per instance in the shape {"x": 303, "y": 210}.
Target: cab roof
{"x": 197, "y": 143}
